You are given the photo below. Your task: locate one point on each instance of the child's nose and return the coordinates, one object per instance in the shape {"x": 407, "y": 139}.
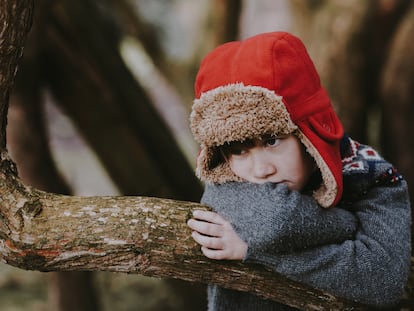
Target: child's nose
{"x": 262, "y": 168}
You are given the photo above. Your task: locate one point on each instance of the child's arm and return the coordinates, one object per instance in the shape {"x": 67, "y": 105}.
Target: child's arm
{"x": 371, "y": 268}
{"x": 272, "y": 216}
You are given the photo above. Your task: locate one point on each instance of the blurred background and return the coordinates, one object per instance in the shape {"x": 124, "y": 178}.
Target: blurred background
{"x": 101, "y": 103}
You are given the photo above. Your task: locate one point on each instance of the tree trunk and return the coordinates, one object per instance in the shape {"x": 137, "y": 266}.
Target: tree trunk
{"x": 89, "y": 80}
{"x": 72, "y": 290}
{"x": 16, "y": 20}
{"x": 364, "y": 53}
{"x": 348, "y": 41}
{"x": 27, "y": 140}
{"x": 226, "y": 16}
{"x": 397, "y": 95}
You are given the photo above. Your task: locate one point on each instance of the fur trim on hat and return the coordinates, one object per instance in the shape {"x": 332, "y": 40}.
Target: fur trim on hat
{"x": 234, "y": 112}
{"x": 327, "y": 191}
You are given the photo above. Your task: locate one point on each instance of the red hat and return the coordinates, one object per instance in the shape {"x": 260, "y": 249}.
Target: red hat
{"x": 266, "y": 84}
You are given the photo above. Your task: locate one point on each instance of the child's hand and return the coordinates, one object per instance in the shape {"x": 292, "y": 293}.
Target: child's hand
{"x": 216, "y": 236}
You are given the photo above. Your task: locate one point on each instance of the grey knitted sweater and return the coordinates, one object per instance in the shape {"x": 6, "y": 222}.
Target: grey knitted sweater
{"x": 359, "y": 250}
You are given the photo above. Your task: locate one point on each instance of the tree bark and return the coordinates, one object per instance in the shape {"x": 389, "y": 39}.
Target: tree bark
{"x": 144, "y": 235}
{"x": 16, "y": 20}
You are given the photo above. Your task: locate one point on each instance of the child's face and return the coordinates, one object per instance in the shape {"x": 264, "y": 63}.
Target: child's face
{"x": 271, "y": 159}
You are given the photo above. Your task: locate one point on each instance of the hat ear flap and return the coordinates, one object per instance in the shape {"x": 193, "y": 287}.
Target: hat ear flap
{"x": 212, "y": 167}
{"x": 216, "y": 158}
{"x": 327, "y": 125}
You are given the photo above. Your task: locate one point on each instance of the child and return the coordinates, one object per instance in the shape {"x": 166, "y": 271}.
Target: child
{"x": 289, "y": 189}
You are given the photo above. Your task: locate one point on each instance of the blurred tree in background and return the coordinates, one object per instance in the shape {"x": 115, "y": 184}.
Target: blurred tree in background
{"x": 364, "y": 54}
{"x": 122, "y": 71}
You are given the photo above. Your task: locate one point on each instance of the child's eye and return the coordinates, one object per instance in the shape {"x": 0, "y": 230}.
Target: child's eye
{"x": 271, "y": 141}
{"x": 238, "y": 151}
{"x": 235, "y": 149}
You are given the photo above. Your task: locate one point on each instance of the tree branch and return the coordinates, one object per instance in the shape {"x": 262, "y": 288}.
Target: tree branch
{"x": 144, "y": 235}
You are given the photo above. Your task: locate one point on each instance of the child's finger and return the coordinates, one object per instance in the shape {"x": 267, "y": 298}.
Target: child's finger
{"x": 206, "y": 241}
{"x": 208, "y": 216}
{"x": 205, "y": 228}
{"x": 212, "y": 253}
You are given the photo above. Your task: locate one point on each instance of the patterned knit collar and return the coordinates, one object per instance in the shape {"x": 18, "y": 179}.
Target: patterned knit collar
{"x": 363, "y": 168}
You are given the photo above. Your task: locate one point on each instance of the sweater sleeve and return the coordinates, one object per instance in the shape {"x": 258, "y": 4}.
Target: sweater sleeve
{"x": 270, "y": 216}
{"x": 372, "y": 267}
